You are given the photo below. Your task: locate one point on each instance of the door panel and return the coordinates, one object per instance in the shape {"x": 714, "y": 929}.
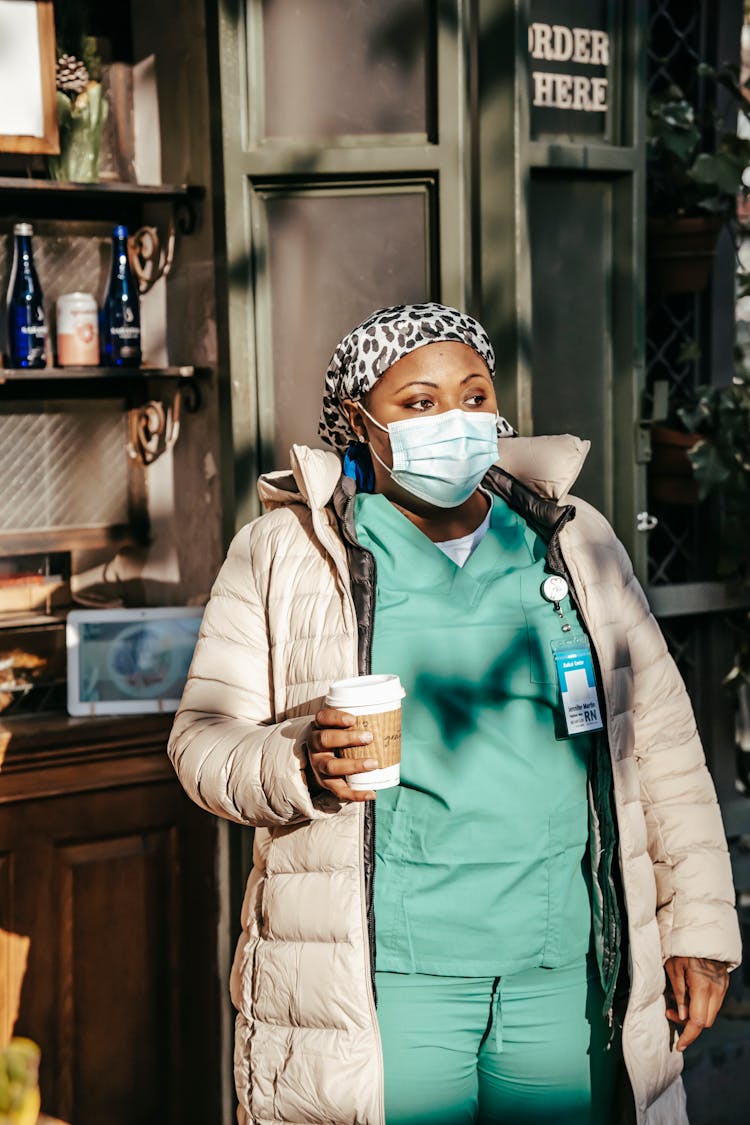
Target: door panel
{"x": 358, "y": 69}
{"x": 572, "y": 316}
{"x": 114, "y": 894}
{"x": 576, "y": 275}
{"x": 346, "y": 158}
{"x": 333, "y": 257}
{"x": 115, "y": 1028}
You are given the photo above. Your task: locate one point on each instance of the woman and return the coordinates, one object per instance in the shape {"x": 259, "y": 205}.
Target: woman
{"x": 536, "y": 847}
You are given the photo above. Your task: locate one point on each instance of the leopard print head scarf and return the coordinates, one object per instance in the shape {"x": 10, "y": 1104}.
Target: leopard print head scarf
{"x": 366, "y": 353}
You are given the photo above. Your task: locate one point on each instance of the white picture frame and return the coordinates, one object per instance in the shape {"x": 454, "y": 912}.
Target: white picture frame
{"x": 28, "y": 111}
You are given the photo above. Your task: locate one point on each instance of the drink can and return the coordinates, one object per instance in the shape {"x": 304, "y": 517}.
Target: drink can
{"x": 77, "y": 330}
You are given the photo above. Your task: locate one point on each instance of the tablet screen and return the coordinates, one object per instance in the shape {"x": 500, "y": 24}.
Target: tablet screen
{"x": 132, "y": 662}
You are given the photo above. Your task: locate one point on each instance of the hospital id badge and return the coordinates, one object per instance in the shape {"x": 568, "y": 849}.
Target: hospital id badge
{"x": 574, "y": 665}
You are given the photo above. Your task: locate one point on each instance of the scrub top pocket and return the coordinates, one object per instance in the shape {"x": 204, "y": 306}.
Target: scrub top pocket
{"x": 569, "y": 918}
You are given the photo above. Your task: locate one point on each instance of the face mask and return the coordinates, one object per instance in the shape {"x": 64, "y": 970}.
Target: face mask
{"x": 441, "y": 458}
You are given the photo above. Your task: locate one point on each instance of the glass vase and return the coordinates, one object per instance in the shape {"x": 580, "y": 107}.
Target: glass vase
{"x": 81, "y": 123}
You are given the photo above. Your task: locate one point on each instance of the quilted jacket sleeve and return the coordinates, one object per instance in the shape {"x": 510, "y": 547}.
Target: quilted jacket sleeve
{"x": 695, "y": 893}
{"x": 230, "y": 757}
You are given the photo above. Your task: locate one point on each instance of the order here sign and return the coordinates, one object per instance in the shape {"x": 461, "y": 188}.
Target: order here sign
{"x": 569, "y": 74}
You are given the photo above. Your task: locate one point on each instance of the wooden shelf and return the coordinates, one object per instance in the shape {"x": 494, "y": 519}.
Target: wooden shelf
{"x": 135, "y": 385}
{"x": 57, "y": 188}
{"x": 22, "y": 197}
{"x": 32, "y": 737}
{"x": 54, "y": 755}
{"x": 31, "y": 619}
{"x": 98, "y": 374}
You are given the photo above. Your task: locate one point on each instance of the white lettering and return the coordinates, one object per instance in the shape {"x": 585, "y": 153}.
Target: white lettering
{"x": 581, "y": 99}
{"x": 564, "y": 90}
{"x": 542, "y": 41}
{"x": 544, "y": 88}
{"x": 598, "y": 94}
{"x": 582, "y": 44}
{"x": 559, "y": 43}
{"x": 570, "y": 91}
{"x": 599, "y": 48}
{"x": 562, "y": 43}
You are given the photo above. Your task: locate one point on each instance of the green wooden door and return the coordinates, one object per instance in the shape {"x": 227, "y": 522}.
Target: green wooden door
{"x": 344, "y": 131}
{"x": 561, "y": 185}
{"x": 488, "y": 154}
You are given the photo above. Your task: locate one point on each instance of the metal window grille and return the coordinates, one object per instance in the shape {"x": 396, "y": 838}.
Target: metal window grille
{"x": 683, "y": 33}
{"x": 679, "y": 38}
{"x": 63, "y": 470}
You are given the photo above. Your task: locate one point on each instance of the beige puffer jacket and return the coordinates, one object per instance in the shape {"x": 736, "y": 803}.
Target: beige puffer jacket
{"x": 280, "y": 626}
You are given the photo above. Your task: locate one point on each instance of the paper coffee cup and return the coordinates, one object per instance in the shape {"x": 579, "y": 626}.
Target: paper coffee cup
{"x": 375, "y": 701}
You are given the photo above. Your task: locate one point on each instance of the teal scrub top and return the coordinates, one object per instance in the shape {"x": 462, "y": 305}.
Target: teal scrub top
{"x": 480, "y": 852}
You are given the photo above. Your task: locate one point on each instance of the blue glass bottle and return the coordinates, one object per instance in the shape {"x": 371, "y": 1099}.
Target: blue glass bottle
{"x": 27, "y": 327}
{"x": 121, "y": 312}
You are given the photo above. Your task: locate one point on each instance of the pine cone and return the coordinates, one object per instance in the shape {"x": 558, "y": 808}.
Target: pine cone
{"x": 72, "y": 76}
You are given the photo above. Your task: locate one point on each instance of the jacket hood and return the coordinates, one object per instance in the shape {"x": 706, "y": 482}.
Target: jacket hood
{"x": 547, "y": 465}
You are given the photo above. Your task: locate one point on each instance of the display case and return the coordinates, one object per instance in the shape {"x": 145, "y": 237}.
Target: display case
{"x": 109, "y": 879}
{"x": 75, "y": 441}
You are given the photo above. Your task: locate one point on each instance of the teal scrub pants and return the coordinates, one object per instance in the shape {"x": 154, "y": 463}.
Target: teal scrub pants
{"x": 526, "y": 1049}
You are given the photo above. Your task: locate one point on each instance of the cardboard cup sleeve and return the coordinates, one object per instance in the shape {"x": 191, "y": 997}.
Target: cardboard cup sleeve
{"x": 386, "y": 738}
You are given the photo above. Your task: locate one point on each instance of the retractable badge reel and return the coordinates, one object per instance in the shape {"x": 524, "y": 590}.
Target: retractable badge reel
{"x": 554, "y": 589}
{"x": 574, "y": 665}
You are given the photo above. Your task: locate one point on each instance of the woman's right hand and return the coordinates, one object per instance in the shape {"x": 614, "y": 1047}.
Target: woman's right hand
{"x": 332, "y": 733}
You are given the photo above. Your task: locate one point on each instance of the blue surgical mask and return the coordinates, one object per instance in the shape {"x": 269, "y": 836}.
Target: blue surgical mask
{"x": 441, "y": 458}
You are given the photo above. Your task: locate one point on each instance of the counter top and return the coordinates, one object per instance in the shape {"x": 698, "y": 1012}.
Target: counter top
{"x": 48, "y": 755}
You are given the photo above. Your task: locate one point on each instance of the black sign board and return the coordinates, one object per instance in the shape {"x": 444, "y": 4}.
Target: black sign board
{"x": 569, "y": 58}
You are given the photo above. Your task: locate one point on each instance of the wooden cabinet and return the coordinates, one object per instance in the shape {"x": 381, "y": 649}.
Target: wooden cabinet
{"x": 108, "y": 869}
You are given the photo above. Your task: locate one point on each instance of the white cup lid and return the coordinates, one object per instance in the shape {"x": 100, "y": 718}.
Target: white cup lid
{"x": 365, "y": 690}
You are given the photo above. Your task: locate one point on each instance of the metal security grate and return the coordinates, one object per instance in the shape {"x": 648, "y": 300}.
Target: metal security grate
{"x": 63, "y": 470}
{"x": 676, "y": 39}
{"x": 670, "y": 332}
{"x": 679, "y": 38}
{"x": 673, "y": 327}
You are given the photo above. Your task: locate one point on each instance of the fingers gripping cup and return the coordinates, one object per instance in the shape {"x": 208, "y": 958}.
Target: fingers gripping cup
{"x": 375, "y": 701}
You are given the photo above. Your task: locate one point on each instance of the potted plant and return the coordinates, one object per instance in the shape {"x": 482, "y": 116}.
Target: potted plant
{"x": 694, "y": 175}
{"x": 720, "y": 461}
{"x": 81, "y": 112}
{"x": 671, "y": 476}
{"x": 670, "y": 473}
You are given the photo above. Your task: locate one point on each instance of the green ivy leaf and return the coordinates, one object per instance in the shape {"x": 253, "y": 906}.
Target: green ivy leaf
{"x": 717, "y": 171}
{"x": 709, "y": 468}
{"x": 689, "y": 352}
{"x": 64, "y": 110}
